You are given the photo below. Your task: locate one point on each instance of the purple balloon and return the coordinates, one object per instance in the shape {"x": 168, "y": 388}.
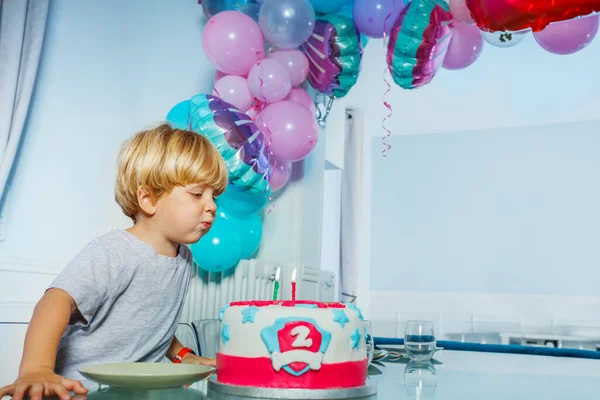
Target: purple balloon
{"x": 290, "y": 129}
{"x": 269, "y": 81}
{"x": 568, "y": 37}
{"x": 370, "y": 16}
{"x": 465, "y": 46}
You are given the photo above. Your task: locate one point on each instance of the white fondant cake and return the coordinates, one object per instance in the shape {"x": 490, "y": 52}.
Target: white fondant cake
{"x": 292, "y": 344}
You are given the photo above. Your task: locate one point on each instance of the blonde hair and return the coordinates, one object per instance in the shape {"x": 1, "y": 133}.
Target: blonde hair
{"x": 161, "y": 158}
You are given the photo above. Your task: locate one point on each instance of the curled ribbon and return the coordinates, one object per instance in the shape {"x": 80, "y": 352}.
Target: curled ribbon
{"x": 387, "y": 105}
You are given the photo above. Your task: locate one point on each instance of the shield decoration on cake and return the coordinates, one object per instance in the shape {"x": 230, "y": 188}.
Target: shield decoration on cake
{"x": 296, "y": 345}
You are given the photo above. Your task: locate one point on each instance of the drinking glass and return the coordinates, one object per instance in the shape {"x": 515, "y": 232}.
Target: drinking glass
{"x": 369, "y": 341}
{"x": 419, "y": 340}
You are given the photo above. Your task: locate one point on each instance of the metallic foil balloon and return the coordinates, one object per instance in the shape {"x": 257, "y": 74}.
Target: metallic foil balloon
{"x": 505, "y": 39}
{"x": 334, "y": 53}
{"x": 418, "y": 42}
{"x": 179, "y": 115}
{"x": 516, "y": 15}
{"x": 212, "y": 7}
{"x": 236, "y": 137}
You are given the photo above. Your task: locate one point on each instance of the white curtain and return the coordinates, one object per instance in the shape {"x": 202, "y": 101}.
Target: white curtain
{"x": 351, "y": 206}
{"x": 22, "y": 27}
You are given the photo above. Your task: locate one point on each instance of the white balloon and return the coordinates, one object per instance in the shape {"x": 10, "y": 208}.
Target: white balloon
{"x": 505, "y": 39}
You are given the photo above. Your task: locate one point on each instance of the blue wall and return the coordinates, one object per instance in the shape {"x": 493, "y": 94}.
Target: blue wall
{"x": 502, "y": 211}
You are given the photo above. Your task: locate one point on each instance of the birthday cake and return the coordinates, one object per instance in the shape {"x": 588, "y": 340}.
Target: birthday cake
{"x": 292, "y": 344}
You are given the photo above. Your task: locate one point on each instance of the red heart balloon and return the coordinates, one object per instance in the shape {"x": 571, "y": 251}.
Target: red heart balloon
{"x": 515, "y": 15}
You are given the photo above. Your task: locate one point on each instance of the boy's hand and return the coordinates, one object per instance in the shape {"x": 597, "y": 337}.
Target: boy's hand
{"x": 42, "y": 382}
{"x": 190, "y": 358}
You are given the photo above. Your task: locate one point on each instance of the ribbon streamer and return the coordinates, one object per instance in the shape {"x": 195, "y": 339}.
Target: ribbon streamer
{"x": 387, "y": 105}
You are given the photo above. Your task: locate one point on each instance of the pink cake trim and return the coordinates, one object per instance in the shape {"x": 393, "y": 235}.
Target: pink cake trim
{"x": 259, "y": 372}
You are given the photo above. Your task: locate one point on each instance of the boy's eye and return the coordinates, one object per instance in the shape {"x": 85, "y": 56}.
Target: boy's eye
{"x": 197, "y": 195}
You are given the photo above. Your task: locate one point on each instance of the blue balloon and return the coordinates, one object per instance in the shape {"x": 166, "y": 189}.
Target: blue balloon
{"x": 220, "y": 249}
{"x": 179, "y": 116}
{"x": 251, "y": 9}
{"x": 327, "y": 6}
{"x": 250, "y": 230}
{"x": 241, "y": 203}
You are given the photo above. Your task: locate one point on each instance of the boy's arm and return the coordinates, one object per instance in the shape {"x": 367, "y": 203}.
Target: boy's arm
{"x": 174, "y": 348}
{"x": 49, "y": 321}
{"x": 189, "y": 358}
{"x": 36, "y": 373}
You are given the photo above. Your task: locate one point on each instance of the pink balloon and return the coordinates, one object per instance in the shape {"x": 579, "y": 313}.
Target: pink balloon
{"x": 465, "y": 46}
{"x": 233, "y": 42}
{"x": 568, "y": 37}
{"x": 300, "y": 96}
{"x": 295, "y": 62}
{"x": 290, "y": 128}
{"x": 218, "y": 75}
{"x": 280, "y": 172}
{"x": 269, "y": 81}
{"x": 460, "y": 12}
{"x": 234, "y": 90}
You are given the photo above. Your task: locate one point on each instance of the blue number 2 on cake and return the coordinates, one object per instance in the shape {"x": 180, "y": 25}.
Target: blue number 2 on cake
{"x": 296, "y": 344}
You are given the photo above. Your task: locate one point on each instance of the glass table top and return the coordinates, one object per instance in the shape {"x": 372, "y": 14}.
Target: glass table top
{"x": 453, "y": 375}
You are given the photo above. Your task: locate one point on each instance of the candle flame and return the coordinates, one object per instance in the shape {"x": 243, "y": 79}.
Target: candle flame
{"x": 294, "y": 275}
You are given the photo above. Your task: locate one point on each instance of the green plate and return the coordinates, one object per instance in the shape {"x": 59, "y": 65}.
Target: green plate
{"x": 146, "y": 375}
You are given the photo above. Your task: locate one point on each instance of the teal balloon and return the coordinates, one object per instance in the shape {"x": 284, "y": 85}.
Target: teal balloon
{"x": 240, "y": 203}
{"x": 419, "y": 42}
{"x": 250, "y": 230}
{"x": 213, "y": 7}
{"x": 179, "y": 116}
{"x": 238, "y": 139}
{"x": 334, "y": 52}
{"x": 220, "y": 249}
{"x": 347, "y": 12}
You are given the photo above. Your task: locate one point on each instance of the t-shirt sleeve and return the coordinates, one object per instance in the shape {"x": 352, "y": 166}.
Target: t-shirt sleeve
{"x": 87, "y": 279}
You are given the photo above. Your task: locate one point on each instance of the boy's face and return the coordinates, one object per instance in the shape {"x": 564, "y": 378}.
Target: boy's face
{"x": 187, "y": 213}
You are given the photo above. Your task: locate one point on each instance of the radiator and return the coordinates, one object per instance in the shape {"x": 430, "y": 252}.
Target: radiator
{"x": 210, "y": 291}
{"x": 253, "y": 280}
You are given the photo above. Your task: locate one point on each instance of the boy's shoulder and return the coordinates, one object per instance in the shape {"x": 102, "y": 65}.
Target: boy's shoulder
{"x": 109, "y": 247}
{"x": 111, "y": 240}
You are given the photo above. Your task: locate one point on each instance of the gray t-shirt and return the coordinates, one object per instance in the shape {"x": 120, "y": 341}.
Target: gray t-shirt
{"x": 130, "y": 297}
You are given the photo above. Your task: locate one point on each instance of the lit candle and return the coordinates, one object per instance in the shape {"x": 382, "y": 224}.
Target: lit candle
{"x": 276, "y": 288}
{"x": 294, "y": 284}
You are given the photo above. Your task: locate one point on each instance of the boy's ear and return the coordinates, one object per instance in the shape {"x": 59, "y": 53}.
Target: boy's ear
{"x": 146, "y": 201}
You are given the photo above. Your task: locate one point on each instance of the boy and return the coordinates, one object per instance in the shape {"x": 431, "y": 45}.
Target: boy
{"x": 121, "y": 297}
